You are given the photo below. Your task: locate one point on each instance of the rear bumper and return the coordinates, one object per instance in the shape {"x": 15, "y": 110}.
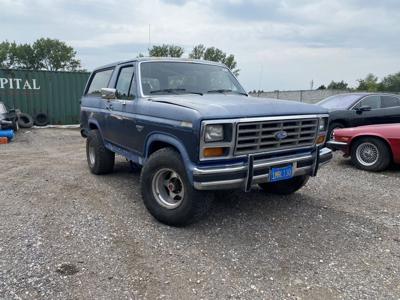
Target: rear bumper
{"x": 335, "y": 145}
{"x": 257, "y": 169}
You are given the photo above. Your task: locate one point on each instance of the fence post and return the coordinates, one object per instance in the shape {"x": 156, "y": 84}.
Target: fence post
{"x": 301, "y": 95}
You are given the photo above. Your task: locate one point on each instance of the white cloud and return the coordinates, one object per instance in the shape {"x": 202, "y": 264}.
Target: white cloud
{"x": 291, "y": 41}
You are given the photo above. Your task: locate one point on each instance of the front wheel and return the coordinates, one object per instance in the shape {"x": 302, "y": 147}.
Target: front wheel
{"x": 285, "y": 187}
{"x": 168, "y": 194}
{"x": 370, "y": 154}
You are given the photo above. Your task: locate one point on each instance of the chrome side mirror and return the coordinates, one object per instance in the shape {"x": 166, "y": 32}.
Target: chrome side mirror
{"x": 108, "y": 93}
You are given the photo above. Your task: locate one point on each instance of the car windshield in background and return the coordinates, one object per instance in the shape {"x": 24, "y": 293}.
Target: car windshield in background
{"x": 339, "y": 101}
{"x": 162, "y": 78}
{"x": 3, "y": 109}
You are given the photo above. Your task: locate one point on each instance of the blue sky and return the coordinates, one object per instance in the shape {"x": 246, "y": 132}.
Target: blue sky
{"x": 278, "y": 44}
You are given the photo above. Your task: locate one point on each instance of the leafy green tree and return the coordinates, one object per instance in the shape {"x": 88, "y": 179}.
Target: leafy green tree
{"x": 391, "y": 83}
{"x": 321, "y": 87}
{"x": 55, "y": 55}
{"x": 215, "y": 54}
{"x": 166, "y": 51}
{"x": 369, "y": 83}
{"x": 48, "y": 54}
{"x": 340, "y": 85}
{"x": 197, "y": 52}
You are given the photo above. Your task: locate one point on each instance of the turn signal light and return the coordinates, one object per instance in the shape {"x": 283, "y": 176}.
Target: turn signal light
{"x": 214, "y": 152}
{"x": 321, "y": 139}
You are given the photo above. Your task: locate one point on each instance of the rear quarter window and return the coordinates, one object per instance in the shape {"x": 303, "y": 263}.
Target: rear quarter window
{"x": 99, "y": 80}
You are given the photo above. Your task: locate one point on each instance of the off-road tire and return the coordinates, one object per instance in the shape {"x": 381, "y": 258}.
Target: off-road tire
{"x": 194, "y": 204}
{"x": 285, "y": 187}
{"x": 103, "y": 158}
{"x": 384, "y": 154}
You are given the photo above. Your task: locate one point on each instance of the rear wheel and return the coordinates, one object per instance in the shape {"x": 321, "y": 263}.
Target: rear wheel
{"x": 168, "y": 194}
{"x": 99, "y": 158}
{"x": 370, "y": 154}
{"x": 285, "y": 187}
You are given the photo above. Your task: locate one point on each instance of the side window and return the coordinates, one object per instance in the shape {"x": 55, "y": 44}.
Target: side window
{"x": 372, "y": 101}
{"x": 390, "y": 101}
{"x": 124, "y": 83}
{"x": 100, "y": 80}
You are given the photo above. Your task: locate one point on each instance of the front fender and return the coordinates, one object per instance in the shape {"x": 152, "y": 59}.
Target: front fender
{"x": 175, "y": 142}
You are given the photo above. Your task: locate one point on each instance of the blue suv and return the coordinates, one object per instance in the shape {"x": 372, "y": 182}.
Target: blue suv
{"x": 192, "y": 128}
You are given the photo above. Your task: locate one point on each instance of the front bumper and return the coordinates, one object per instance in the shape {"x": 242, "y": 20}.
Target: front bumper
{"x": 257, "y": 169}
{"x": 335, "y": 145}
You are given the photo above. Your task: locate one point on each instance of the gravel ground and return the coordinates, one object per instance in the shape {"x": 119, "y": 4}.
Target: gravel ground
{"x": 67, "y": 234}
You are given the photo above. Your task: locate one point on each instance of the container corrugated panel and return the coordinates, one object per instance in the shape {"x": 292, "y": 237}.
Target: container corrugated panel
{"x": 55, "y": 93}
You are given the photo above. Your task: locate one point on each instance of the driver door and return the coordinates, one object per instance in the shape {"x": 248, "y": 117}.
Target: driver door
{"x": 368, "y": 117}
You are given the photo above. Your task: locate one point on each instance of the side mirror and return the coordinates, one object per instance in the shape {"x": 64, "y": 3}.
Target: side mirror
{"x": 363, "y": 108}
{"x": 108, "y": 94}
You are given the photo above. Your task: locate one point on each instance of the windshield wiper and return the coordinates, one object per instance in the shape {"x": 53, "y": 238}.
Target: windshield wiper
{"x": 175, "y": 91}
{"x": 223, "y": 91}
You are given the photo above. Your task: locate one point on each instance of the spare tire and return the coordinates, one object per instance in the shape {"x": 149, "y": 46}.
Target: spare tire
{"x": 25, "y": 121}
{"x": 41, "y": 119}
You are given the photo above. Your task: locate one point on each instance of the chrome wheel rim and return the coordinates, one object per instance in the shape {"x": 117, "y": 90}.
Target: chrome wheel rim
{"x": 367, "y": 154}
{"x": 92, "y": 155}
{"x": 168, "y": 188}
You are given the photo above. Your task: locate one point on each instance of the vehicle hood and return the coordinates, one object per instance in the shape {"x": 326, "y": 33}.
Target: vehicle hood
{"x": 237, "y": 106}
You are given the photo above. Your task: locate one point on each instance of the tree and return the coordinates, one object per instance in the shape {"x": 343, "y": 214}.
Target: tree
{"x": 55, "y": 55}
{"x": 47, "y": 54}
{"x": 369, "y": 83}
{"x": 391, "y": 83}
{"x": 215, "y": 54}
{"x": 197, "y": 52}
{"x": 166, "y": 51}
{"x": 321, "y": 87}
{"x": 340, "y": 85}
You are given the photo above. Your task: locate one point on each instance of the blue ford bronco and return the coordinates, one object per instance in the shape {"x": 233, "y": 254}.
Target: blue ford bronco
{"x": 192, "y": 129}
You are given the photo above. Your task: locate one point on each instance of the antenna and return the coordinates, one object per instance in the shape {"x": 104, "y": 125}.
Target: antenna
{"x": 149, "y": 37}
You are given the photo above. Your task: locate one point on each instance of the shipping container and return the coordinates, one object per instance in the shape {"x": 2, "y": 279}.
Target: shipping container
{"x": 56, "y": 94}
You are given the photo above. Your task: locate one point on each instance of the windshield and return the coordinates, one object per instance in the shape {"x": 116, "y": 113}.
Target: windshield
{"x": 339, "y": 101}
{"x": 161, "y": 78}
{"x": 3, "y": 109}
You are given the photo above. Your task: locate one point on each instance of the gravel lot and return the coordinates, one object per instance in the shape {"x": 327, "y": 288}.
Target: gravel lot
{"x": 67, "y": 234}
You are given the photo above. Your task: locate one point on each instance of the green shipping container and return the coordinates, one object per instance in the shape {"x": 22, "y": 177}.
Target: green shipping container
{"x": 56, "y": 94}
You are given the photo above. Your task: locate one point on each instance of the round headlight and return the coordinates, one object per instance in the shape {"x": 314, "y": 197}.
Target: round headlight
{"x": 214, "y": 133}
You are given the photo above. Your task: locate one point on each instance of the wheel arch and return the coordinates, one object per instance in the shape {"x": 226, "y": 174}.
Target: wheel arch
{"x": 375, "y": 136}
{"x": 158, "y": 141}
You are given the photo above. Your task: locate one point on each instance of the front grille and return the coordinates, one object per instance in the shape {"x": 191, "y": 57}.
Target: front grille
{"x": 257, "y": 137}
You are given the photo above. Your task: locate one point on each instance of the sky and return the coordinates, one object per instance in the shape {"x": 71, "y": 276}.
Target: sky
{"x": 278, "y": 44}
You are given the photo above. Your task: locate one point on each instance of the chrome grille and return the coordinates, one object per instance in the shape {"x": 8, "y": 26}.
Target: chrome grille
{"x": 257, "y": 137}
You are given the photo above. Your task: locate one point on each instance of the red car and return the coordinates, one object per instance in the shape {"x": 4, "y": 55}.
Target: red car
{"x": 371, "y": 147}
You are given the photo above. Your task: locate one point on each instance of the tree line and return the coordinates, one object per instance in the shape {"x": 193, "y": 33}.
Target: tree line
{"x": 55, "y": 55}
{"x": 43, "y": 54}
{"x": 198, "y": 52}
{"x": 371, "y": 83}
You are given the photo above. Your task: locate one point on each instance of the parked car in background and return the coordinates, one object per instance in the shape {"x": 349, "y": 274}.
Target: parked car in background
{"x": 8, "y": 119}
{"x": 357, "y": 109}
{"x": 371, "y": 147}
{"x": 193, "y": 129}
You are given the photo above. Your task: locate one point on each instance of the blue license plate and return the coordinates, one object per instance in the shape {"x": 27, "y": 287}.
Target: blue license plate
{"x": 281, "y": 173}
